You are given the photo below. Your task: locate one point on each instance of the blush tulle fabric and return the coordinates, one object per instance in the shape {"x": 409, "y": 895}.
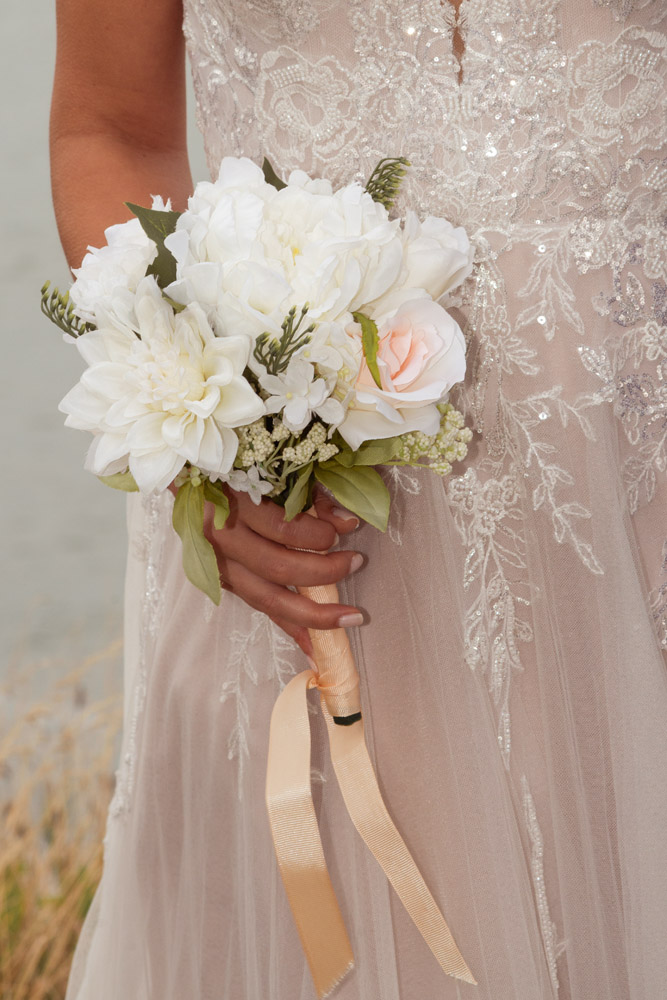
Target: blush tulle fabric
{"x": 512, "y": 674}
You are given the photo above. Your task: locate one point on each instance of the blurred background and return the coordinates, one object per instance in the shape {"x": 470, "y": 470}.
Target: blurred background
{"x": 63, "y": 542}
{"x": 62, "y": 561}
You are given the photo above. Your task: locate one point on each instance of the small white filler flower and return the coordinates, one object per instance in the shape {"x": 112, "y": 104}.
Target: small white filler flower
{"x": 249, "y": 482}
{"x": 297, "y": 394}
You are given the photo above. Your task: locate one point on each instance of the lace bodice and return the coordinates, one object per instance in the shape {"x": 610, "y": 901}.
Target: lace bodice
{"x": 548, "y": 101}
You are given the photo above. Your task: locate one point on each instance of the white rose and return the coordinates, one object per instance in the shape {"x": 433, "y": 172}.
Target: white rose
{"x": 110, "y": 274}
{"x": 437, "y": 259}
{"x": 421, "y": 355}
{"x": 438, "y": 256}
{"x": 170, "y": 395}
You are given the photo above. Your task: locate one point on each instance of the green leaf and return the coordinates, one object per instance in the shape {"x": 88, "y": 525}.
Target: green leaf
{"x": 158, "y": 225}
{"x": 360, "y": 489}
{"x": 120, "y": 481}
{"x": 298, "y": 495}
{"x": 369, "y": 343}
{"x": 199, "y": 562}
{"x": 370, "y": 453}
{"x": 271, "y": 177}
{"x": 219, "y": 499}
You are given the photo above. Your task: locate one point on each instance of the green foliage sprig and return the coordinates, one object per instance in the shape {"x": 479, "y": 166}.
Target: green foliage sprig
{"x": 384, "y": 183}
{"x": 60, "y": 310}
{"x": 275, "y": 353}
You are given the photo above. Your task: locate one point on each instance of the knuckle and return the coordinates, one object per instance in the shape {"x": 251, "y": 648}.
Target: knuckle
{"x": 281, "y": 570}
{"x": 271, "y": 604}
{"x": 335, "y": 567}
{"x": 291, "y": 532}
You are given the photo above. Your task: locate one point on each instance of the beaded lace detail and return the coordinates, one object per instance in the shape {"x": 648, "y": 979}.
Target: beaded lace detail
{"x": 155, "y": 509}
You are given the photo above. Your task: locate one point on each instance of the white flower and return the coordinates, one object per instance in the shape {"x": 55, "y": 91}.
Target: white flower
{"x": 421, "y": 354}
{"x": 345, "y": 251}
{"x": 297, "y": 394}
{"x": 437, "y": 258}
{"x": 166, "y": 394}
{"x": 110, "y": 274}
{"x": 327, "y": 346}
{"x": 249, "y": 253}
{"x": 249, "y": 482}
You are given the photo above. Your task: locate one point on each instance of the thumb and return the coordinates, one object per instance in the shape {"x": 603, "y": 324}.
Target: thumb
{"x": 328, "y": 509}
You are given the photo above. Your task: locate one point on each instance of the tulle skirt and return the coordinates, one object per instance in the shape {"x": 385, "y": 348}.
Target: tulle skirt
{"x": 516, "y": 718}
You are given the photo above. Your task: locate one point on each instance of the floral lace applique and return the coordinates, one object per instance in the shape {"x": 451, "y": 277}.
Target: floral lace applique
{"x": 659, "y": 602}
{"x": 265, "y": 643}
{"x": 487, "y": 516}
{"x": 553, "y": 950}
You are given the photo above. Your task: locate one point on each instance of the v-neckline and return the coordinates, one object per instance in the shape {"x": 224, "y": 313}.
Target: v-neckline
{"x": 458, "y": 43}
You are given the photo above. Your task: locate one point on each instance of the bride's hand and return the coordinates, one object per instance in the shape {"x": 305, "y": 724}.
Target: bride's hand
{"x": 258, "y": 562}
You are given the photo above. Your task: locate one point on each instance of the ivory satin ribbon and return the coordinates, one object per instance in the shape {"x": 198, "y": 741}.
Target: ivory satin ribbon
{"x": 294, "y": 826}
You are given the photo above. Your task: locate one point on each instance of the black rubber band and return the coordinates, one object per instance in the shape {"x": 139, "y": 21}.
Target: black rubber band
{"x": 347, "y": 720}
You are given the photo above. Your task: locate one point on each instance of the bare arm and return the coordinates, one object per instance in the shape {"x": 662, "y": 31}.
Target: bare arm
{"x": 118, "y": 119}
{"x": 118, "y": 133}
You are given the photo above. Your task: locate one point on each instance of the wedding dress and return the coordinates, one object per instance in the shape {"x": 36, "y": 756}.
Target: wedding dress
{"x": 513, "y": 679}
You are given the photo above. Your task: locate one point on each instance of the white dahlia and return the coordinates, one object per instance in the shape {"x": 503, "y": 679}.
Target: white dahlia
{"x": 163, "y": 394}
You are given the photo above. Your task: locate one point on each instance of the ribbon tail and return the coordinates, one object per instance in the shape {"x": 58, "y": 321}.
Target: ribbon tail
{"x": 297, "y": 842}
{"x": 364, "y": 803}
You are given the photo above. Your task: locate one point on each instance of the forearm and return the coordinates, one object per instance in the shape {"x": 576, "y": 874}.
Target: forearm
{"x": 94, "y": 174}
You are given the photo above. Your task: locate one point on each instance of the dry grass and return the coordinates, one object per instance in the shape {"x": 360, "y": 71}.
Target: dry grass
{"x": 56, "y": 780}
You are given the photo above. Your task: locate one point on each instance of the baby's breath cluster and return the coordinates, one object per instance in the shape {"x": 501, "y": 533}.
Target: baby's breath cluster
{"x": 313, "y": 447}
{"x": 256, "y": 444}
{"x": 439, "y": 450}
{"x": 270, "y": 450}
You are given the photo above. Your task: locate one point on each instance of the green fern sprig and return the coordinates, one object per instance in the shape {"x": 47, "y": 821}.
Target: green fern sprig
{"x": 384, "y": 183}
{"x": 275, "y": 353}
{"x": 60, "y": 310}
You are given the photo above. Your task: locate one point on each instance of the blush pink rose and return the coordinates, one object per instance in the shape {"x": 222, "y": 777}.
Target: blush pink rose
{"x": 421, "y": 355}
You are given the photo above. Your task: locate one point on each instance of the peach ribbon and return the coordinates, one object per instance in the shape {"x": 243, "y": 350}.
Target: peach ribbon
{"x": 294, "y": 828}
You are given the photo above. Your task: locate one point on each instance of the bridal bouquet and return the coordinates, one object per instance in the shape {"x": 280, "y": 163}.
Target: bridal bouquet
{"x": 271, "y": 337}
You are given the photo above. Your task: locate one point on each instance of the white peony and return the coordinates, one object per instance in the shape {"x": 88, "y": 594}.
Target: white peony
{"x": 248, "y": 252}
{"x": 438, "y": 255}
{"x": 167, "y": 393}
{"x": 421, "y": 354}
{"x": 109, "y": 275}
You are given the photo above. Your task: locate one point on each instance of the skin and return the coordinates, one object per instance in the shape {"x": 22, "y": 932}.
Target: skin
{"x": 118, "y": 133}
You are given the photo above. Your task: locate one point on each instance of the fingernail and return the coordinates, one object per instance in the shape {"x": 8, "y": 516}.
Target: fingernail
{"x": 349, "y": 621}
{"x": 356, "y": 562}
{"x": 335, "y": 541}
{"x": 344, "y": 515}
